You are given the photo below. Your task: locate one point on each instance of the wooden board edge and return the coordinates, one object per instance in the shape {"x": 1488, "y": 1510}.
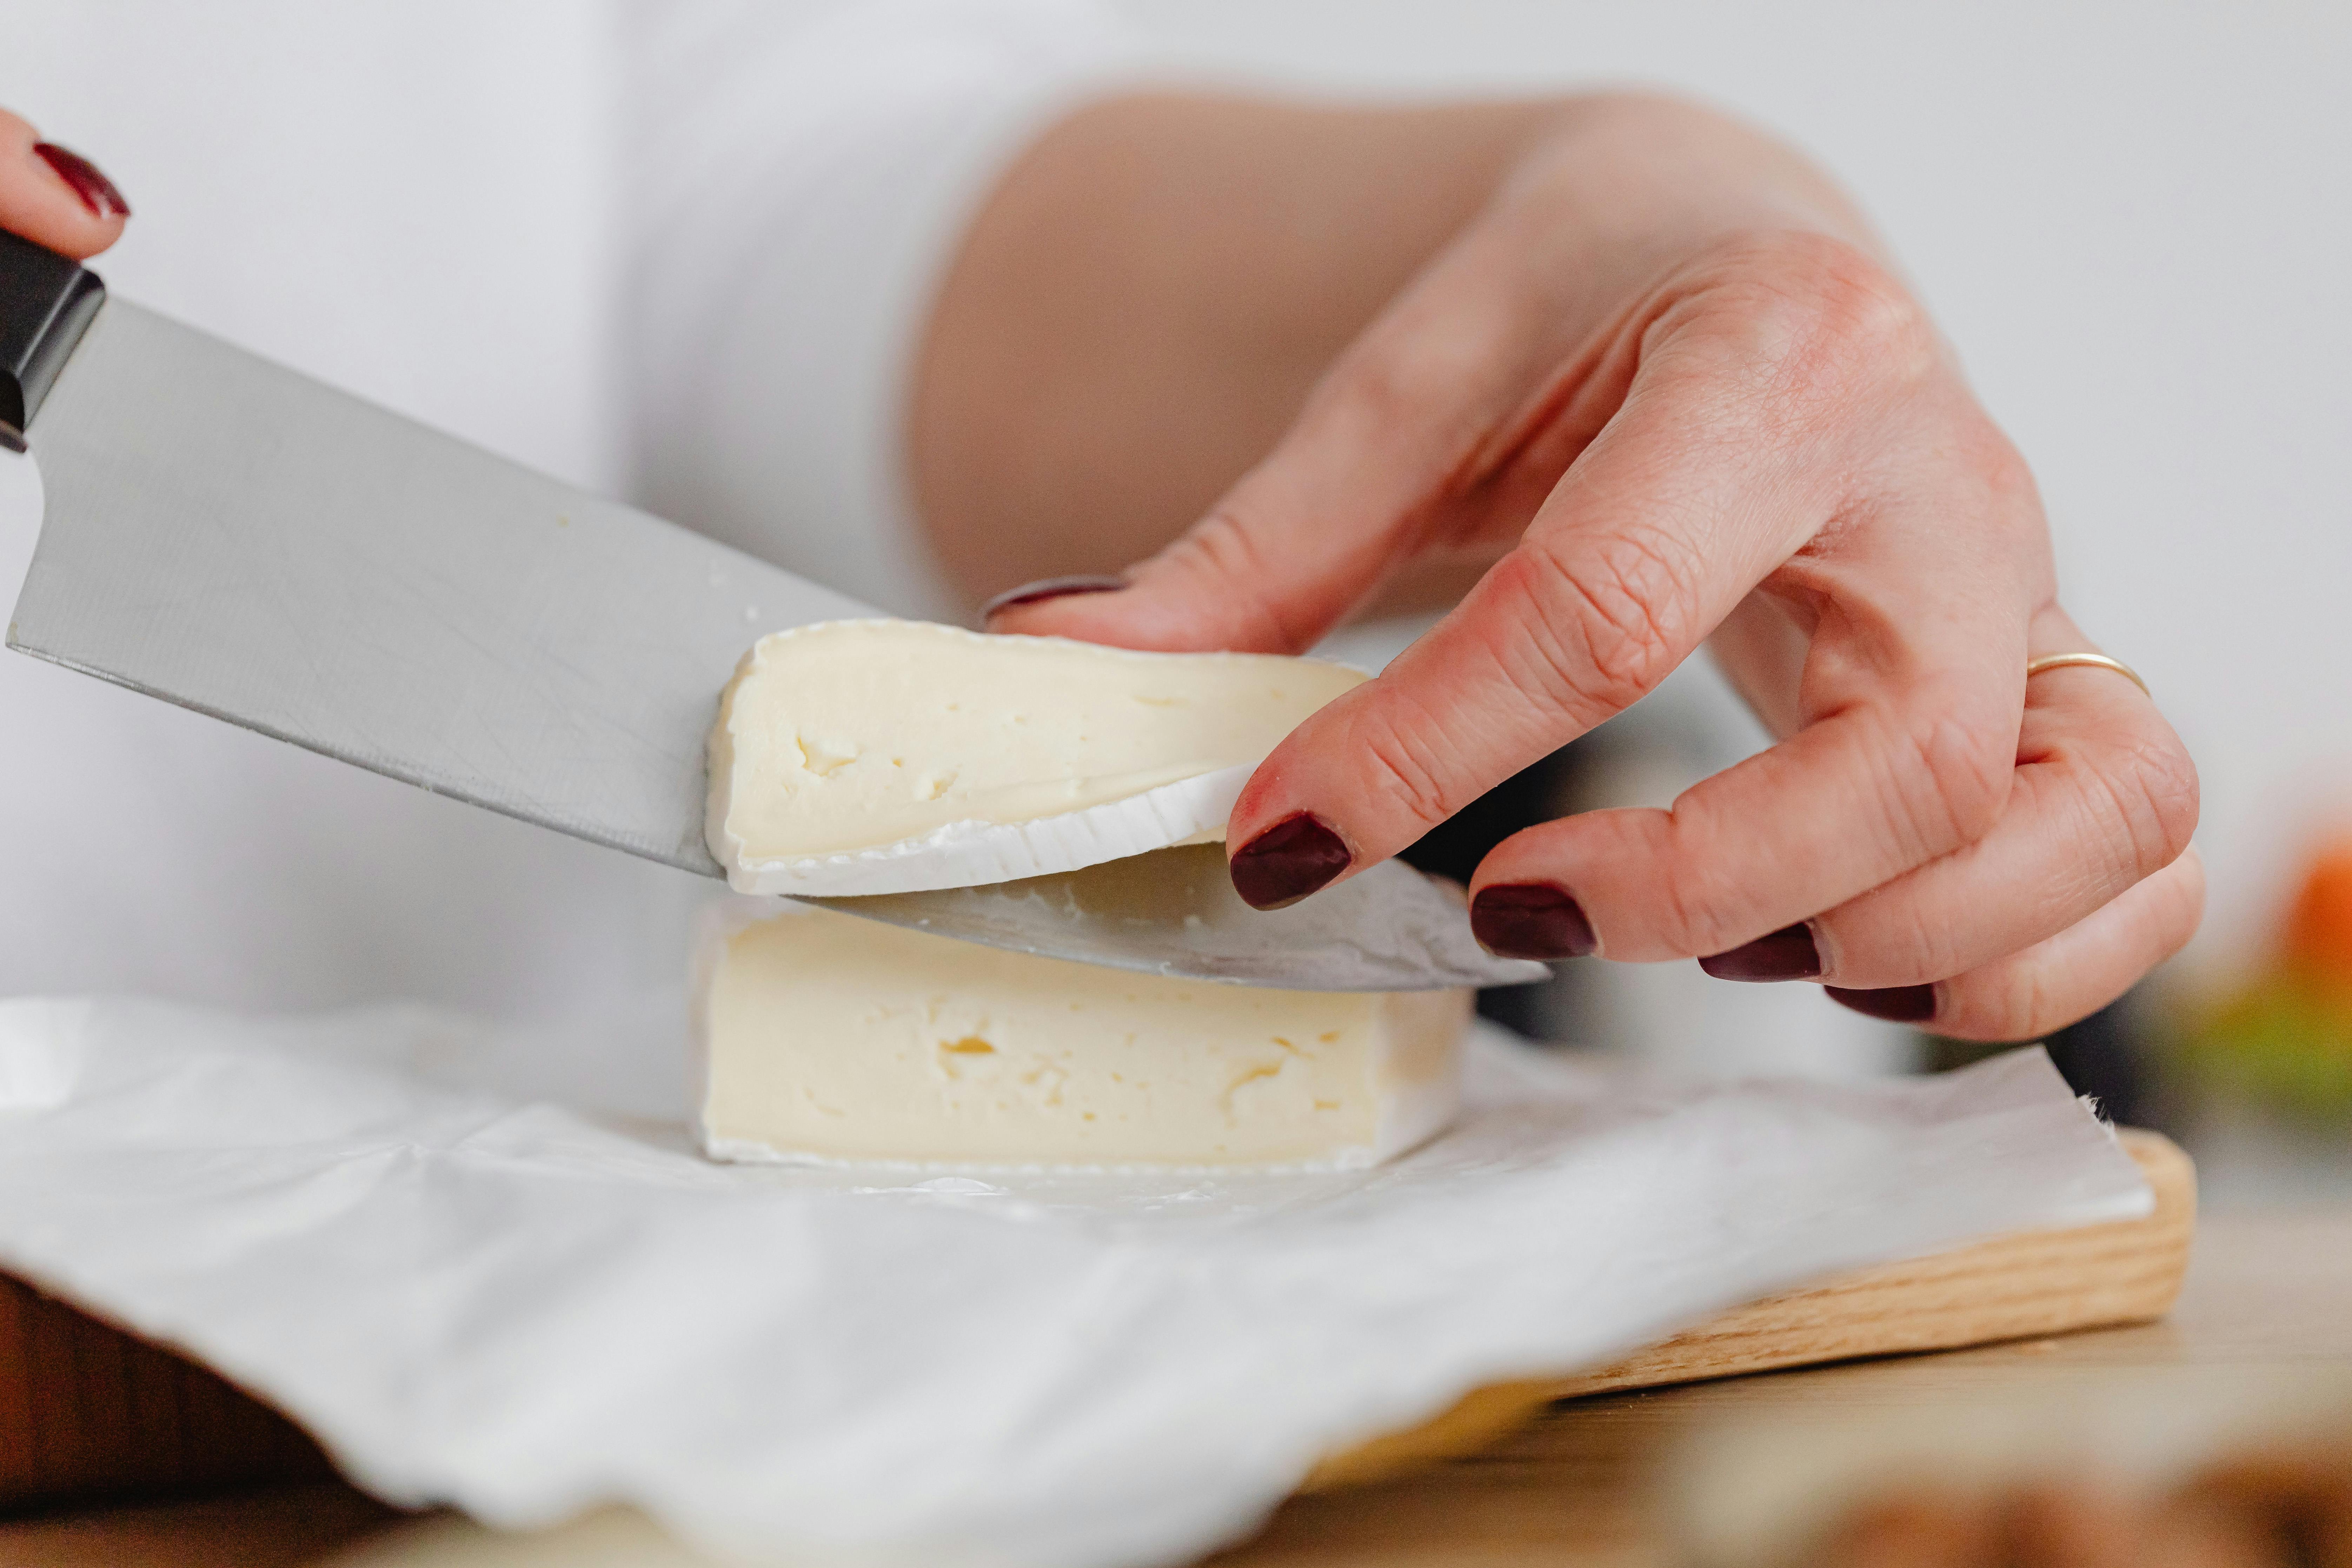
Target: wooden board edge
{"x": 90, "y": 1412}
{"x": 2027, "y": 1286}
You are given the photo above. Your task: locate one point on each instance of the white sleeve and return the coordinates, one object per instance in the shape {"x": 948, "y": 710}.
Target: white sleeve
{"x": 800, "y": 175}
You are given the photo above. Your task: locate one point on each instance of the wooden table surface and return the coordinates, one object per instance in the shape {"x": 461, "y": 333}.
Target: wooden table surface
{"x": 2269, "y": 1297}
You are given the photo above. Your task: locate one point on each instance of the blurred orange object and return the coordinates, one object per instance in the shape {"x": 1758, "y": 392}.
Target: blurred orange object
{"x": 2282, "y": 1040}
{"x": 2319, "y": 927}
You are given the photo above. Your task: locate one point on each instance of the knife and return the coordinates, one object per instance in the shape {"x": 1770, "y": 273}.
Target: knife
{"x": 228, "y": 535}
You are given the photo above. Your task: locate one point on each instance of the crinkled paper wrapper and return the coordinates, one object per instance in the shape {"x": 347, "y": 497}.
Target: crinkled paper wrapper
{"x": 425, "y": 1242}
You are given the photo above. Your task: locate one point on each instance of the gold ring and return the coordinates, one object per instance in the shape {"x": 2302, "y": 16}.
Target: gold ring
{"x": 2089, "y": 660}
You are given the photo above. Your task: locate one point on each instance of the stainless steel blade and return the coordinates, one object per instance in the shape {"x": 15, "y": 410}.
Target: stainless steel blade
{"x": 1175, "y": 912}
{"x": 226, "y": 534}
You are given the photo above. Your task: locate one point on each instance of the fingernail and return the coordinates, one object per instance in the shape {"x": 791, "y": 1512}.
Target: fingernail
{"x": 1530, "y": 920}
{"x": 88, "y": 182}
{"x": 1050, "y": 588}
{"x": 1896, "y": 1003}
{"x": 1288, "y": 861}
{"x": 1788, "y": 954}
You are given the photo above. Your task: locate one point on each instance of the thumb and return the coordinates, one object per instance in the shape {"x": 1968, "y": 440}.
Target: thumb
{"x": 1283, "y": 558}
{"x": 1395, "y": 449}
{"x": 54, "y": 197}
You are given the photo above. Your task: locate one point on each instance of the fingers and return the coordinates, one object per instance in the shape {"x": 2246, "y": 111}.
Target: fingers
{"x": 54, "y": 197}
{"x": 1736, "y": 438}
{"x": 2084, "y": 883}
{"x": 1926, "y": 865}
{"x": 1845, "y": 807}
{"x": 2067, "y": 977}
{"x": 2106, "y": 795}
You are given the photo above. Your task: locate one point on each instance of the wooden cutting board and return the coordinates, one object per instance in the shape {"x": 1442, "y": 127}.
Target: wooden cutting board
{"x": 2026, "y": 1285}
{"x": 87, "y": 1412}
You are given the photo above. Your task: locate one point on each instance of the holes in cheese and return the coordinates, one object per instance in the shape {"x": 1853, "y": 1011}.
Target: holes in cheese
{"x": 892, "y": 756}
{"x": 824, "y": 1037}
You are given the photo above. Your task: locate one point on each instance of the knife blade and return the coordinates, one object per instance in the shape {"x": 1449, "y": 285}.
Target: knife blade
{"x": 1174, "y": 912}
{"x": 231, "y": 536}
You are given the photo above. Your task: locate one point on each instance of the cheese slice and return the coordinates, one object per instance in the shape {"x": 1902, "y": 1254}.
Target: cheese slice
{"x": 825, "y": 1039}
{"x": 894, "y": 756}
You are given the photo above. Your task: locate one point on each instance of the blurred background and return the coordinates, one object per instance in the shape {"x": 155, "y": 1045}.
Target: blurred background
{"x": 2135, "y": 221}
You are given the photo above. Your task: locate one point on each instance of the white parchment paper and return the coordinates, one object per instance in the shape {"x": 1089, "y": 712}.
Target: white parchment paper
{"x": 390, "y": 1225}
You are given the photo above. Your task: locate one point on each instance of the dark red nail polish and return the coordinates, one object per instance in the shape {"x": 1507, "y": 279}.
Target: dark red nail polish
{"x": 1050, "y": 588}
{"x": 1530, "y": 920}
{"x": 1896, "y": 1003}
{"x": 1288, "y": 861}
{"x": 88, "y": 182}
{"x": 1788, "y": 954}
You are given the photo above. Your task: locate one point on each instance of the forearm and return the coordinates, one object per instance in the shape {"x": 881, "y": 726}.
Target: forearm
{"x": 1148, "y": 299}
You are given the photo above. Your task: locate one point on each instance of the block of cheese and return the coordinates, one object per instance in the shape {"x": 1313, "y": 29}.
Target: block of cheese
{"x": 825, "y": 1039}
{"x": 858, "y": 757}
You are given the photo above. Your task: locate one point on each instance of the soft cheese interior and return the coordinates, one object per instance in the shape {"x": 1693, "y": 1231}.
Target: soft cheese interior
{"x": 851, "y": 735}
{"x": 826, "y": 1037}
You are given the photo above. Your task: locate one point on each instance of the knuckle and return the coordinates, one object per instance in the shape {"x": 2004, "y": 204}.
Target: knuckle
{"x": 2047, "y": 998}
{"x": 1704, "y": 896}
{"x": 1991, "y": 490}
{"x": 1933, "y": 946}
{"x": 2148, "y": 801}
{"x": 1224, "y": 549}
{"x": 1405, "y": 751}
{"x": 2034, "y": 1006}
{"x": 1699, "y": 911}
{"x": 1397, "y": 378}
{"x": 1377, "y": 391}
{"x": 2012, "y": 1001}
{"x": 1599, "y": 630}
{"x": 1817, "y": 311}
{"x": 2001, "y": 468}
{"x": 1899, "y": 939}
{"x": 2174, "y": 795}
{"x": 1948, "y": 774}
{"x": 1970, "y": 755}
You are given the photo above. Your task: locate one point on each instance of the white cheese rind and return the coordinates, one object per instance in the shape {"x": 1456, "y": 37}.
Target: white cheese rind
{"x": 973, "y": 854}
{"x": 862, "y": 757}
{"x": 824, "y": 1039}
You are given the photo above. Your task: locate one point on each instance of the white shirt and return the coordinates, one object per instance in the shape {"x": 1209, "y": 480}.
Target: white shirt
{"x": 682, "y": 250}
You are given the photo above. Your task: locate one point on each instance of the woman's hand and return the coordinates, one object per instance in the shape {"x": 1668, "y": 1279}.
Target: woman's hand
{"x": 1663, "y": 382}
{"x": 54, "y": 197}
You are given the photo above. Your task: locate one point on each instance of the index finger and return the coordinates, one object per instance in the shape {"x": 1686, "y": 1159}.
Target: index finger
{"x": 1722, "y": 459}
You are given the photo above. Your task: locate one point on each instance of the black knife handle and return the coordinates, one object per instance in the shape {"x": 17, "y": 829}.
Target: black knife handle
{"x": 45, "y": 304}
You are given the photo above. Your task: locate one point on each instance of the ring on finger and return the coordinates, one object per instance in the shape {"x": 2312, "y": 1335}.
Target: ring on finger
{"x": 2089, "y": 662}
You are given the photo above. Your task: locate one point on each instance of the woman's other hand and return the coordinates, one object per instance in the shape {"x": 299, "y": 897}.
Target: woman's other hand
{"x": 1663, "y": 380}
{"x": 54, "y": 197}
